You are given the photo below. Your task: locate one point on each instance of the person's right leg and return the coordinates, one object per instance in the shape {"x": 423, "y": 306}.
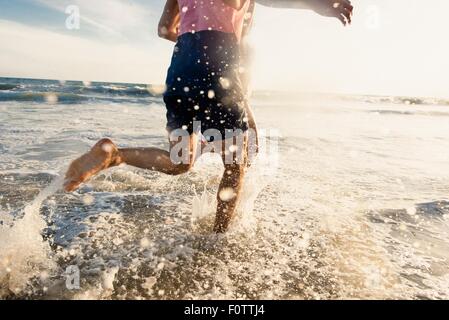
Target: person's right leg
{"x": 234, "y": 156}
{"x": 105, "y": 154}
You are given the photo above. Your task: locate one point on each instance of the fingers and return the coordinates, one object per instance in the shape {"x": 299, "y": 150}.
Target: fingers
{"x": 343, "y": 11}
{"x": 348, "y": 15}
{"x": 348, "y": 9}
{"x": 342, "y": 19}
{"x": 346, "y": 4}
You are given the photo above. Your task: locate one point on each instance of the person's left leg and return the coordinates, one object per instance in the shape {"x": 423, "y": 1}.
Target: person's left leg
{"x": 105, "y": 154}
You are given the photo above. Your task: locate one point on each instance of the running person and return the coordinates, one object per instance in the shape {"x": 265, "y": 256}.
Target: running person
{"x": 204, "y": 96}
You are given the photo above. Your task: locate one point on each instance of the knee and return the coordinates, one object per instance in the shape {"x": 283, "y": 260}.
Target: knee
{"x": 104, "y": 141}
{"x": 180, "y": 169}
{"x": 106, "y": 145}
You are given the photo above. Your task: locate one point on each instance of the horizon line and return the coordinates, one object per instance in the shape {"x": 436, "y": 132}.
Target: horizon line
{"x": 255, "y": 91}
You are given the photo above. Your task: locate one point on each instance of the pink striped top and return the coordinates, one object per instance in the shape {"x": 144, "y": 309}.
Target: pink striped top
{"x": 200, "y": 15}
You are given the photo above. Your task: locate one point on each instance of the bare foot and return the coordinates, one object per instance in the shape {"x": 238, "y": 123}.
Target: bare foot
{"x": 104, "y": 154}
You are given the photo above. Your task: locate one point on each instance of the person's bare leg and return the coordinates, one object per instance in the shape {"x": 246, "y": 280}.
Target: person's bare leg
{"x": 160, "y": 160}
{"x": 230, "y": 189}
{"x": 105, "y": 154}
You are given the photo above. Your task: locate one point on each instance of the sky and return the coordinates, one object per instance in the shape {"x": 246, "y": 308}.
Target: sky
{"x": 393, "y": 47}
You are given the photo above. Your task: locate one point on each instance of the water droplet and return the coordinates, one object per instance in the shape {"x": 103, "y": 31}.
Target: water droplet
{"x": 227, "y": 194}
{"x": 51, "y": 98}
{"x": 163, "y": 31}
{"x": 117, "y": 241}
{"x": 225, "y": 83}
{"x": 107, "y": 147}
{"x": 145, "y": 243}
{"x": 88, "y": 200}
{"x": 156, "y": 89}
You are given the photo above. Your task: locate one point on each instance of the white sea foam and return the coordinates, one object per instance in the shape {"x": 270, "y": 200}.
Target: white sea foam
{"x": 357, "y": 207}
{"x": 24, "y": 253}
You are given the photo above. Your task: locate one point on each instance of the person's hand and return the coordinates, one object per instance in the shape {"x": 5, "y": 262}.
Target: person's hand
{"x": 340, "y": 9}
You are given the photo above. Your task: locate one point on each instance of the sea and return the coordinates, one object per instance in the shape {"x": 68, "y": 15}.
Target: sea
{"x": 348, "y": 199}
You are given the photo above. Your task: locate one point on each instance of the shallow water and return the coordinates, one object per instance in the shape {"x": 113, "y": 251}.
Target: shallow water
{"x": 356, "y": 207}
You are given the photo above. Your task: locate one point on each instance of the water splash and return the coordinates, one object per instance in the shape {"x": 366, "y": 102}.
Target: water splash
{"x": 257, "y": 177}
{"x": 24, "y": 253}
{"x": 203, "y": 207}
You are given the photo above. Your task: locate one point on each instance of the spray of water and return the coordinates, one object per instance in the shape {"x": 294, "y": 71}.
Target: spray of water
{"x": 24, "y": 254}
{"x": 256, "y": 179}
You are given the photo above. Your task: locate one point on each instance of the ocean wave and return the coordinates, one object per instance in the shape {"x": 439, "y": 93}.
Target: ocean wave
{"x": 73, "y": 98}
{"x": 7, "y": 86}
{"x": 137, "y": 91}
{"x": 48, "y": 97}
{"x": 75, "y": 91}
{"x": 405, "y": 100}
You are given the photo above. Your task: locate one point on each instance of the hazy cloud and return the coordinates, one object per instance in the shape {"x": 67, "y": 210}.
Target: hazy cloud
{"x": 116, "y": 17}
{"x": 31, "y": 52}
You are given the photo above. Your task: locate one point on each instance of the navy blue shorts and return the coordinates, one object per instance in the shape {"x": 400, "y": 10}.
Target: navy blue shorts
{"x": 203, "y": 84}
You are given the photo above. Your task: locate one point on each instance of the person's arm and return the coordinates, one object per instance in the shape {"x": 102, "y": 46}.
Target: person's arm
{"x": 169, "y": 22}
{"x": 245, "y": 56}
{"x": 285, "y": 4}
{"x": 253, "y": 126}
{"x": 340, "y": 9}
{"x": 249, "y": 18}
{"x": 236, "y": 4}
